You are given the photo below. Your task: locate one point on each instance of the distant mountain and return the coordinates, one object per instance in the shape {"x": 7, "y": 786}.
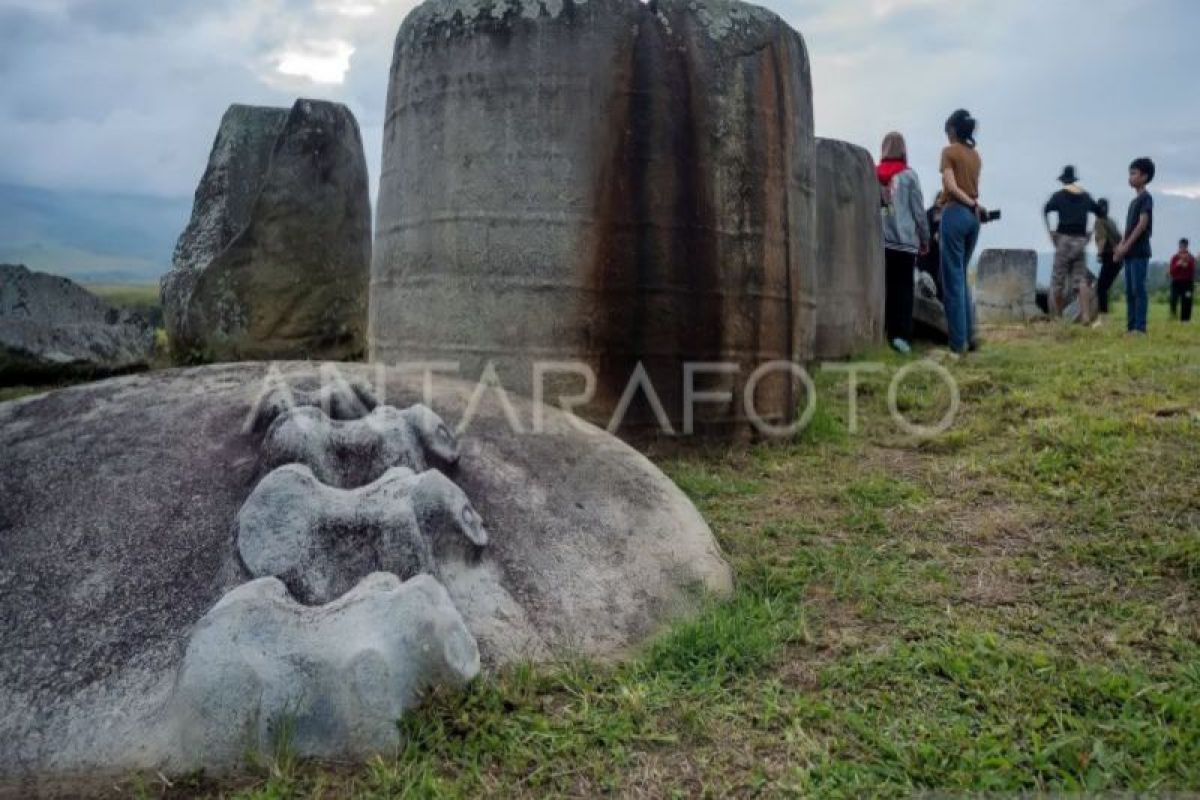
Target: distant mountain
{"x": 90, "y": 236}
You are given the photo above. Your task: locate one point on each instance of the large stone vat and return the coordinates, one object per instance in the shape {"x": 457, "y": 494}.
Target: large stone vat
{"x": 602, "y": 183}
{"x": 850, "y": 274}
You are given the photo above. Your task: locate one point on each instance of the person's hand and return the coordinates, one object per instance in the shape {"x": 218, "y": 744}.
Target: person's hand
{"x": 1119, "y": 253}
{"x": 923, "y": 250}
{"x": 980, "y": 212}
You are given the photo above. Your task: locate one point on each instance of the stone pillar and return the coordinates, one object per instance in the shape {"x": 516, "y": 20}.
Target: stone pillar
{"x": 602, "y": 183}
{"x": 850, "y": 269}
{"x": 275, "y": 262}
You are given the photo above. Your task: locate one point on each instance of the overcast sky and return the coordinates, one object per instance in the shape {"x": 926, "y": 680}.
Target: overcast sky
{"x": 125, "y": 95}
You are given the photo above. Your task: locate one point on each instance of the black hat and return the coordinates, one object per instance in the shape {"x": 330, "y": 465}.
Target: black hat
{"x": 1068, "y": 175}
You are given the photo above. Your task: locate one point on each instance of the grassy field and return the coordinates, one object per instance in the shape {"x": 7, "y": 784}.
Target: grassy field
{"x": 1011, "y": 606}
{"x": 136, "y": 296}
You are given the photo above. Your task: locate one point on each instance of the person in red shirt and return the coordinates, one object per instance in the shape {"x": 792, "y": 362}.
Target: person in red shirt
{"x": 1183, "y": 282}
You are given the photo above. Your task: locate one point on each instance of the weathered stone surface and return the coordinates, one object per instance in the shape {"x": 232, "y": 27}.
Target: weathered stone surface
{"x": 850, "y": 270}
{"x": 339, "y": 398}
{"x": 355, "y": 452}
{"x": 604, "y": 182}
{"x": 332, "y": 679}
{"x": 1006, "y": 287}
{"x": 320, "y": 541}
{"x": 928, "y": 311}
{"x": 52, "y": 327}
{"x": 116, "y": 537}
{"x": 276, "y": 260}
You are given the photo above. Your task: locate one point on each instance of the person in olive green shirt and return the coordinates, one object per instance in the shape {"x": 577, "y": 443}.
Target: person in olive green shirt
{"x": 1108, "y": 236}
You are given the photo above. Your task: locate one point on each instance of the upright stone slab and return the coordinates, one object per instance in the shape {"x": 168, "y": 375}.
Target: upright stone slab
{"x": 850, "y": 270}
{"x": 276, "y": 260}
{"x": 51, "y": 327}
{"x": 604, "y": 183}
{"x": 1006, "y": 287}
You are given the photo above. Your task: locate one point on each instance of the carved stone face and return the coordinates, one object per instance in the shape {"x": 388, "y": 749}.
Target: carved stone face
{"x": 446, "y": 513}
{"x": 441, "y": 445}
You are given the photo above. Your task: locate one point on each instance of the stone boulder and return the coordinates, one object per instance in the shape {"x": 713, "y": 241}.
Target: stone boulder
{"x": 50, "y": 327}
{"x": 117, "y": 535}
{"x": 850, "y": 269}
{"x": 609, "y": 184}
{"x": 1006, "y": 287}
{"x": 275, "y": 262}
{"x": 928, "y": 312}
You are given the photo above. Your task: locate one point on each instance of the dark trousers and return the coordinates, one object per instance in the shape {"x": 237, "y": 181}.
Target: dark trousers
{"x": 1109, "y": 270}
{"x": 898, "y": 307}
{"x": 1181, "y": 299}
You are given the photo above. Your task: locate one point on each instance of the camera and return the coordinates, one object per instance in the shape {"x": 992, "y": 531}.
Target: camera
{"x": 991, "y": 216}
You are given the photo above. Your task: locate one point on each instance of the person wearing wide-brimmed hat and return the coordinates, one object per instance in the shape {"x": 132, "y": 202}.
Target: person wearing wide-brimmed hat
{"x": 1072, "y": 205}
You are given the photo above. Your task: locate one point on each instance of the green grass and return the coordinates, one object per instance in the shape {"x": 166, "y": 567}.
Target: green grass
{"x": 1009, "y": 607}
{"x": 127, "y": 295}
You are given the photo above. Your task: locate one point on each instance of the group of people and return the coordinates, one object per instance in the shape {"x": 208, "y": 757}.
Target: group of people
{"x": 951, "y": 230}
{"x": 908, "y": 232}
{"x": 1131, "y": 252}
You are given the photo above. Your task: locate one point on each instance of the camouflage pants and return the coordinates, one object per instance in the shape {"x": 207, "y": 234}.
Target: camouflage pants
{"x": 1070, "y": 269}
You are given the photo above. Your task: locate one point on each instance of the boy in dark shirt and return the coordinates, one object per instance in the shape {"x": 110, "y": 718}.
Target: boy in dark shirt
{"x": 1183, "y": 282}
{"x": 1134, "y": 249}
{"x": 1072, "y": 205}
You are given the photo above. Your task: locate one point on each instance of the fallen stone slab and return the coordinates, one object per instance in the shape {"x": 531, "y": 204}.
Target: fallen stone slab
{"x": 51, "y": 327}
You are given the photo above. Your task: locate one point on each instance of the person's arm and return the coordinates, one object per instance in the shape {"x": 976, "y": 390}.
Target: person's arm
{"x": 1050, "y": 206}
{"x": 916, "y": 207}
{"x": 1132, "y": 236}
{"x": 950, "y": 186}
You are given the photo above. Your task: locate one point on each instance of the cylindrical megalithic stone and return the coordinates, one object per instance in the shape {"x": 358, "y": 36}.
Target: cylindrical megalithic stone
{"x": 601, "y": 182}
{"x": 850, "y": 279}
{"x": 1006, "y": 286}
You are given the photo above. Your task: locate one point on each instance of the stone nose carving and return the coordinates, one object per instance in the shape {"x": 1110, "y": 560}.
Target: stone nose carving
{"x": 320, "y": 540}
{"x": 355, "y": 452}
{"x": 334, "y": 679}
{"x": 340, "y": 400}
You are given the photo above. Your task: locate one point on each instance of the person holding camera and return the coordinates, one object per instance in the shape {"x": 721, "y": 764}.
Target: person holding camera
{"x": 905, "y": 235}
{"x": 962, "y": 216}
{"x": 1072, "y": 205}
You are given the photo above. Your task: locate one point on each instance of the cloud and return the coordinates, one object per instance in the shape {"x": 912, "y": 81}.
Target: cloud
{"x": 321, "y": 62}
{"x": 1186, "y": 192}
{"x": 125, "y": 95}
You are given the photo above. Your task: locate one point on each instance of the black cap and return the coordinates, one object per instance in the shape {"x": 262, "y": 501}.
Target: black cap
{"x": 1068, "y": 175}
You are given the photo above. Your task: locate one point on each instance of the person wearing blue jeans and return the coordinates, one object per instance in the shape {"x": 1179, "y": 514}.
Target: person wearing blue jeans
{"x": 961, "y": 215}
{"x": 960, "y": 234}
{"x": 1134, "y": 249}
{"x": 1137, "y": 301}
